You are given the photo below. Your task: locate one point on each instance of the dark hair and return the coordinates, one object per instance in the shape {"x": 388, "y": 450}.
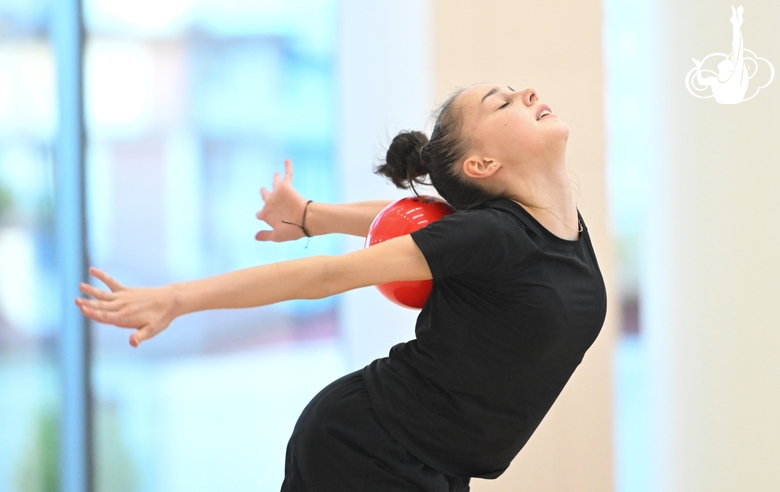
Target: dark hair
{"x": 412, "y": 156}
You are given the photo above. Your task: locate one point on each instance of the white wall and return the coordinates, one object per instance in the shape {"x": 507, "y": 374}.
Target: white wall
{"x": 555, "y": 47}
{"x": 711, "y": 276}
{"x": 386, "y": 84}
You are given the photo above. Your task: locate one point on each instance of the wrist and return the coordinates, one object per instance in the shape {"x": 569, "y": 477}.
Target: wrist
{"x": 312, "y": 221}
{"x": 176, "y": 300}
{"x": 306, "y": 231}
{"x": 302, "y": 224}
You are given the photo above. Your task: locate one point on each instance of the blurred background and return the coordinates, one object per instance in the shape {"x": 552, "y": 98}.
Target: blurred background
{"x": 189, "y": 106}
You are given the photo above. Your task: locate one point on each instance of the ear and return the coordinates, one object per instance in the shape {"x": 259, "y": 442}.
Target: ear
{"x": 480, "y": 167}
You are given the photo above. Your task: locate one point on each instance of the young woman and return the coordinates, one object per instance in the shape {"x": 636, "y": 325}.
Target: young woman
{"x": 517, "y": 299}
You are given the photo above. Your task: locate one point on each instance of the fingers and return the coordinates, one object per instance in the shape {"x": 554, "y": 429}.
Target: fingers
{"x": 142, "y": 334}
{"x": 264, "y": 236}
{"x": 95, "y": 292}
{"x": 113, "y": 318}
{"x": 288, "y": 170}
{"x": 106, "y": 279}
{"x": 94, "y": 315}
{"x": 146, "y": 332}
{"x": 97, "y": 305}
{"x": 288, "y": 174}
{"x": 266, "y": 195}
{"x": 99, "y": 314}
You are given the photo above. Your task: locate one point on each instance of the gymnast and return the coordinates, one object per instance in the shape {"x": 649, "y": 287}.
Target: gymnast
{"x": 731, "y": 84}
{"x": 517, "y": 299}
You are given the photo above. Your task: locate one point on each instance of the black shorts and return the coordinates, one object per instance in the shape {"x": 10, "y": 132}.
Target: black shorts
{"x": 339, "y": 445}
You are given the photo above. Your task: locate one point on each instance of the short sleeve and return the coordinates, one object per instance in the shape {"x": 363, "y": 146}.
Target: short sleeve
{"x": 473, "y": 242}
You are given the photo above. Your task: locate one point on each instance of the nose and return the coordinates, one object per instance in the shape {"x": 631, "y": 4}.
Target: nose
{"x": 529, "y": 96}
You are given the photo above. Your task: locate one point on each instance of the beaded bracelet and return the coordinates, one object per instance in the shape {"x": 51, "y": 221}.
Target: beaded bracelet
{"x": 303, "y": 220}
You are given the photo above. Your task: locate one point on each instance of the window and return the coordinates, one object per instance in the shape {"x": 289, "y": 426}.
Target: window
{"x": 29, "y": 298}
{"x": 190, "y": 108}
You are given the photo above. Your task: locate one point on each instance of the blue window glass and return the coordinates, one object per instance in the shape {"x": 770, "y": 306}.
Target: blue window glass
{"x": 29, "y": 298}
{"x": 190, "y": 108}
{"x": 628, "y": 57}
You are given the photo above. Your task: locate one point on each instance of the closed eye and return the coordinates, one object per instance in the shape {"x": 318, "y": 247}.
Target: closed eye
{"x": 504, "y": 105}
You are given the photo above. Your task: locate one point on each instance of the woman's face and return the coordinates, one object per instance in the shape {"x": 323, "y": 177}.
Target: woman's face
{"x": 504, "y": 125}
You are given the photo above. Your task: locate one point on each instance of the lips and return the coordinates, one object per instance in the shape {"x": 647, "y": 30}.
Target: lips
{"x": 540, "y": 109}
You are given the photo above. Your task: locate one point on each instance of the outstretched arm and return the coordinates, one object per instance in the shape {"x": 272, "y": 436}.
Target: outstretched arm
{"x": 151, "y": 310}
{"x": 284, "y": 207}
{"x": 344, "y": 218}
{"x": 736, "y": 35}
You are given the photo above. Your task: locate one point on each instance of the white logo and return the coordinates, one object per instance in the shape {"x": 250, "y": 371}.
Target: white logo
{"x": 735, "y": 70}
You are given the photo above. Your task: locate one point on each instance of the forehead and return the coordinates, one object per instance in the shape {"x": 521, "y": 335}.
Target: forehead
{"x": 470, "y": 100}
{"x": 473, "y": 97}
{"x": 477, "y": 92}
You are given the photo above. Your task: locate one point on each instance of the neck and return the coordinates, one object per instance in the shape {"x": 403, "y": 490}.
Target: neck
{"x": 547, "y": 195}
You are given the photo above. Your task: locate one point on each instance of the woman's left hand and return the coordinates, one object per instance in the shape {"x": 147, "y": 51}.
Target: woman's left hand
{"x": 149, "y": 310}
{"x": 282, "y": 205}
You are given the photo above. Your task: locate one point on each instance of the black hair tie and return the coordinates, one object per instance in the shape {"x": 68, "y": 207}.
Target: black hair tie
{"x": 303, "y": 220}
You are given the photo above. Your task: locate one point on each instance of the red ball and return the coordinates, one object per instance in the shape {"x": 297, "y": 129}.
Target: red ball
{"x": 397, "y": 219}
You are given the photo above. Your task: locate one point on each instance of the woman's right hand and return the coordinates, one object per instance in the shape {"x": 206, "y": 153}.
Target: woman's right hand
{"x": 282, "y": 204}
{"x": 148, "y": 310}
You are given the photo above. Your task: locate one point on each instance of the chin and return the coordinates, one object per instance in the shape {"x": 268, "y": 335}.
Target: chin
{"x": 561, "y": 139}
{"x": 564, "y": 130}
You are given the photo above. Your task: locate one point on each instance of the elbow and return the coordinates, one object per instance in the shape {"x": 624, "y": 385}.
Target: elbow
{"x": 335, "y": 276}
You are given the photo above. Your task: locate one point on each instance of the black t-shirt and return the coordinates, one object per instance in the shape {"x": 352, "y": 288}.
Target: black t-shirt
{"x": 512, "y": 311}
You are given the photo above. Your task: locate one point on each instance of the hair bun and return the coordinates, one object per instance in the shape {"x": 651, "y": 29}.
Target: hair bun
{"x": 404, "y": 164}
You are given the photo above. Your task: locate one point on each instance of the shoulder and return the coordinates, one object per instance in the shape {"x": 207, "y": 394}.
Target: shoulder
{"x": 472, "y": 241}
{"x": 476, "y": 224}
{"x": 496, "y": 218}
